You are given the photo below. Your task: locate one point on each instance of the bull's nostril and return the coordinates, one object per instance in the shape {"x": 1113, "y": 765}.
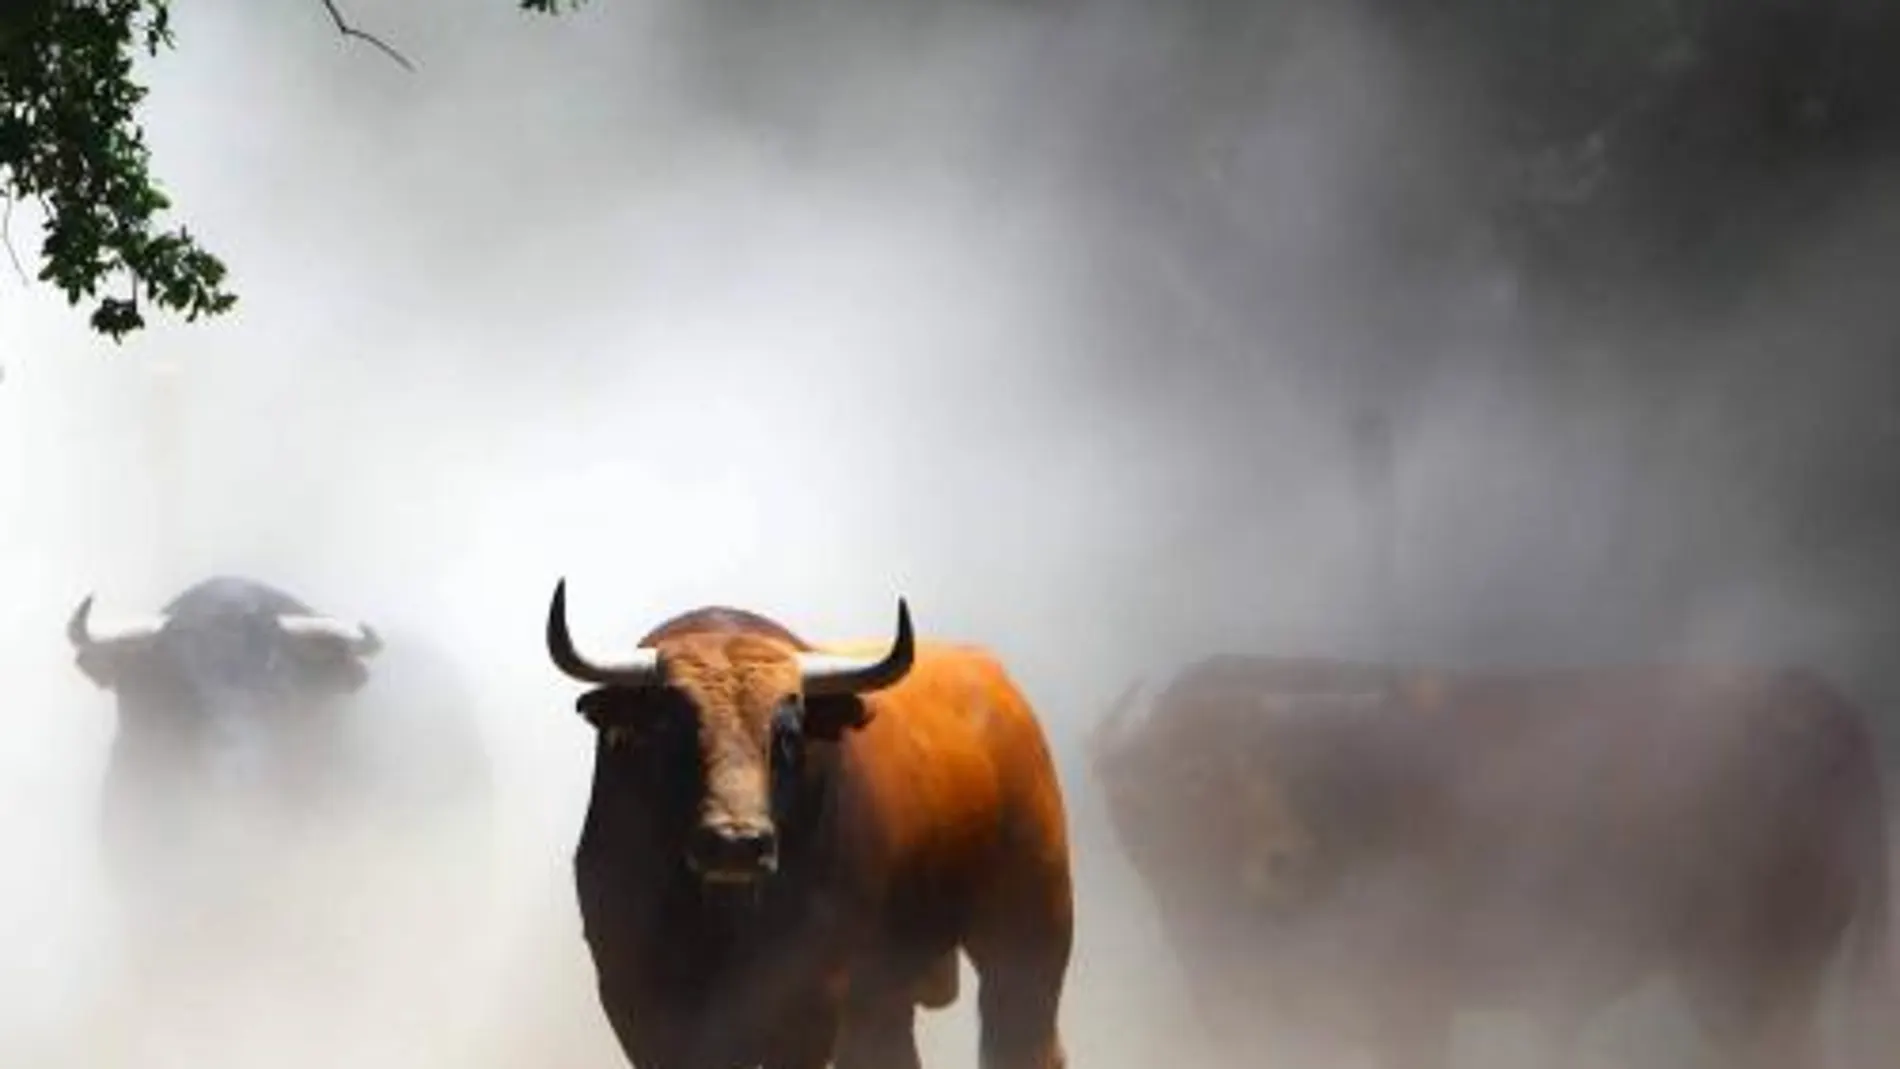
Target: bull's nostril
{"x": 724, "y": 850}
{"x": 753, "y": 844}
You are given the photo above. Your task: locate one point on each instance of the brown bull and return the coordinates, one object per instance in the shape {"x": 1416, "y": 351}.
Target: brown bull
{"x": 785, "y": 849}
{"x": 1365, "y": 859}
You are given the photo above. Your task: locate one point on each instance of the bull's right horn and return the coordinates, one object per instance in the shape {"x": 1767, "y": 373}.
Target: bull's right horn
{"x": 79, "y": 630}
{"x": 826, "y": 673}
{"x": 360, "y": 638}
{"x": 640, "y": 670}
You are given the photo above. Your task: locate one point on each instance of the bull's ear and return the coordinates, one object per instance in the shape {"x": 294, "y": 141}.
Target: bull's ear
{"x": 831, "y": 715}
{"x": 598, "y": 706}
{"x": 331, "y": 669}
{"x": 348, "y": 676}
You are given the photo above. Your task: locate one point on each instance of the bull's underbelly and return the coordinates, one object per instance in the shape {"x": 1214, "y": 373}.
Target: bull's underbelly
{"x": 1530, "y": 935}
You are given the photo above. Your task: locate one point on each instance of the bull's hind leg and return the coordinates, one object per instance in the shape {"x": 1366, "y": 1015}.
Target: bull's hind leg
{"x": 1020, "y": 970}
{"x": 1017, "y": 1005}
{"x": 1020, "y": 947}
{"x": 1018, "y": 938}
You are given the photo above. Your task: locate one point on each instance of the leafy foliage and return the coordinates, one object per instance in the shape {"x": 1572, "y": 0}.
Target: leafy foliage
{"x": 70, "y": 141}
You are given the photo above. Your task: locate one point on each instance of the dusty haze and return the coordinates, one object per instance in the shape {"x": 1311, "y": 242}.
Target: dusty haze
{"x": 695, "y": 303}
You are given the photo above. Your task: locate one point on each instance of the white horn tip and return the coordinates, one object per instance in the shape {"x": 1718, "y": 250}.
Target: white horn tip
{"x": 323, "y": 627}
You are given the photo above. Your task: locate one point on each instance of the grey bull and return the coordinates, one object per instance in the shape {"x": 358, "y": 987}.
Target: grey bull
{"x": 265, "y": 805}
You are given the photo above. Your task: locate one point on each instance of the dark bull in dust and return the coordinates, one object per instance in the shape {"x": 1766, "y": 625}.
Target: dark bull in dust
{"x": 1360, "y": 851}
{"x": 260, "y": 809}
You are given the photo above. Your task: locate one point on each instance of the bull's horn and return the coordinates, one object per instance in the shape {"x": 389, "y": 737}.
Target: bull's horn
{"x": 79, "y": 630}
{"x": 1117, "y": 712}
{"x": 79, "y": 625}
{"x": 362, "y": 639}
{"x": 830, "y": 673}
{"x": 640, "y": 670}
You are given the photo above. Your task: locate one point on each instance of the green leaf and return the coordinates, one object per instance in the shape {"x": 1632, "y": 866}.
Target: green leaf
{"x": 70, "y": 139}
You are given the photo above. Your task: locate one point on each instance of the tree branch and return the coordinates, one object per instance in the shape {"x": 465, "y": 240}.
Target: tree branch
{"x": 6, "y": 238}
{"x": 348, "y": 30}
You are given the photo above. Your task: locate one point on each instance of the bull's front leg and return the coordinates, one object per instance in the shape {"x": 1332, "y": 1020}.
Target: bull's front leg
{"x": 649, "y": 1037}
{"x": 805, "y": 1034}
{"x": 882, "y": 1039}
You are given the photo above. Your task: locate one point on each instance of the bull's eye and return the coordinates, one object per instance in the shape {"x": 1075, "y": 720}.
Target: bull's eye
{"x": 788, "y": 750}
{"x": 788, "y": 730}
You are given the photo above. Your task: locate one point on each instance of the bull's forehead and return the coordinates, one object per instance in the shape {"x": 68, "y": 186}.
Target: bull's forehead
{"x": 732, "y": 680}
{"x": 236, "y": 654}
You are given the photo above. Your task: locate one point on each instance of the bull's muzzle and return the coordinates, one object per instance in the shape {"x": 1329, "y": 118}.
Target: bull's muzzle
{"x": 733, "y": 853}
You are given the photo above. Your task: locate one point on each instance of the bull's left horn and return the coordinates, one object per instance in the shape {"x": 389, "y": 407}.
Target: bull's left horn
{"x": 362, "y": 639}
{"x": 81, "y": 633}
{"x": 640, "y": 670}
{"x": 828, "y": 673}
{"x": 79, "y": 625}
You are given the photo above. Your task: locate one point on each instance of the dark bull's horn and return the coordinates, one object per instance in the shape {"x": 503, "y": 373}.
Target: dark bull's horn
{"x": 640, "y": 670}
{"x": 79, "y": 630}
{"x": 362, "y": 639}
{"x": 828, "y": 673}
{"x": 1111, "y": 722}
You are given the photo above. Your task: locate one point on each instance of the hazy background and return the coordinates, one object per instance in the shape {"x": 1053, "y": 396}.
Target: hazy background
{"x": 1054, "y": 320}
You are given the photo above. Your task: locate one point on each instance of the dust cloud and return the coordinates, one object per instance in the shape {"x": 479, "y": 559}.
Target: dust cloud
{"x": 804, "y": 308}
